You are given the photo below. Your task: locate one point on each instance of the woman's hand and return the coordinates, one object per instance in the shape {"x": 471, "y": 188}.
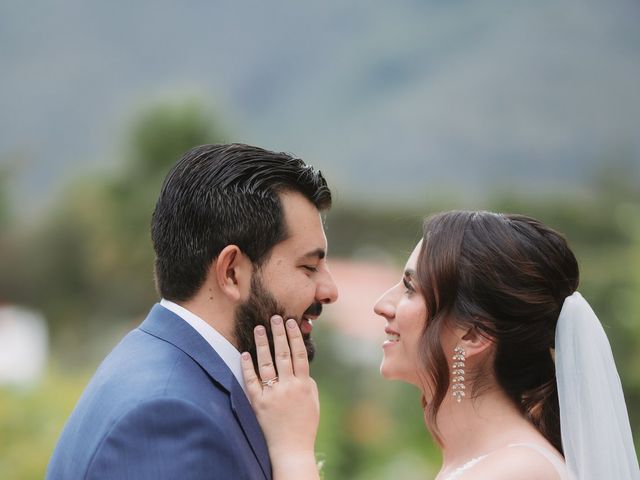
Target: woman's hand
{"x": 286, "y": 403}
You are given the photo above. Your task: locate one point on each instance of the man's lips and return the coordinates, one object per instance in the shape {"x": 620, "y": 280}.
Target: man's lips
{"x": 306, "y": 325}
{"x": 310, "y": 314}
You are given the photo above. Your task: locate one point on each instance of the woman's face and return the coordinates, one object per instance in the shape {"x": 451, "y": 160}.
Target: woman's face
{"x": 405, "y": 311}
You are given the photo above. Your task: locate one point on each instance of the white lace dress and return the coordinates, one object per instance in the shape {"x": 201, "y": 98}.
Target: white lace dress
{"x": 552, "y": 458}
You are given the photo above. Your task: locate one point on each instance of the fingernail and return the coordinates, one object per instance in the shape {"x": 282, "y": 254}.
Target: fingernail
{"x": 276, "y": 319}
{"x": 246, "y": 356}
{"x": 260, "y": 330}
{"x": 291, "y": 323}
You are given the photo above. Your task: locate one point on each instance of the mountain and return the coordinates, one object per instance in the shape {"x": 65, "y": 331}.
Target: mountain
{"x": 392, "y": 99}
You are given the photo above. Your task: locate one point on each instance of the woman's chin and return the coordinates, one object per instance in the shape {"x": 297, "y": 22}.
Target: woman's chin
{"x": 389, "y": 373}
{"x": 386, "y": 371}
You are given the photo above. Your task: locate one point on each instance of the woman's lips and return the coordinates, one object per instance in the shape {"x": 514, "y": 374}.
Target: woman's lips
{"x": 392, "y": 337}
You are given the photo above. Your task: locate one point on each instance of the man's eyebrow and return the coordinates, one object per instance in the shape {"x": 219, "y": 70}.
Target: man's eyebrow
{"x": 318, "y": 253}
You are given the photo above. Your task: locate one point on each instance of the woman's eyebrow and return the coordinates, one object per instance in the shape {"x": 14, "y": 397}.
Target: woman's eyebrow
{"x": 409, "y": 272}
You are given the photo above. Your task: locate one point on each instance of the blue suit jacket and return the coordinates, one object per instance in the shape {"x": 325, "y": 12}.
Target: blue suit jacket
{"x": 163, "y": 405}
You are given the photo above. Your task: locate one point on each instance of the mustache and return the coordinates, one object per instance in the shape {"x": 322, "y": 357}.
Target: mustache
{"x": 314, "y": 310}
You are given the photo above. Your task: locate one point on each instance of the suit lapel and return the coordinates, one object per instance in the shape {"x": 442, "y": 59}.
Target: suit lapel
{"x": 249, "y": 423}
{"x": 167, "y": 326}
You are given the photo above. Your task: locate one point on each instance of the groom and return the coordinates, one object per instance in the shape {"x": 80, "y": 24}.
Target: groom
{"x": 238, "y": 236}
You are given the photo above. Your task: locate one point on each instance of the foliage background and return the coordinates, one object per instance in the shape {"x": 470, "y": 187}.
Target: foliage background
{"x": 406, "y": 138}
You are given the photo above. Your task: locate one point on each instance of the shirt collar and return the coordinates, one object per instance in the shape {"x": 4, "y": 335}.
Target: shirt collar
{"x": 229, "y": 354}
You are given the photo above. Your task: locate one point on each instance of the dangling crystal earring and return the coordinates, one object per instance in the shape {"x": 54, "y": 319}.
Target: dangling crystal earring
{"x": 458, "y": 374}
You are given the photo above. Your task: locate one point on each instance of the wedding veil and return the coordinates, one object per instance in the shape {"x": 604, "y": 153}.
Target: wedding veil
{"x": 596, "y": 436}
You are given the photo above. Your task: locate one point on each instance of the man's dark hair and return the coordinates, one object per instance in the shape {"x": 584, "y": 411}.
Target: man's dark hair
{"x": 219, "y": 195}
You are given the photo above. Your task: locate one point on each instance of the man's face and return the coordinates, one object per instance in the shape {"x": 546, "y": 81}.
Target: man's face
{"x": 294, "y": 281}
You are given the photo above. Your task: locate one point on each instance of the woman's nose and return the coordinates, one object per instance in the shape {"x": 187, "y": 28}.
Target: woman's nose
{"x": 384, "y": 306}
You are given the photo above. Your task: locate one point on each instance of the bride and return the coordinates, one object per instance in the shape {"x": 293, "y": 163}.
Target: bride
{"x": 516, "y": 373}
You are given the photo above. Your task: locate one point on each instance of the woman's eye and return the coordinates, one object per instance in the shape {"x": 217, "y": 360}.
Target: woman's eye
{"x": 408, "y": 286}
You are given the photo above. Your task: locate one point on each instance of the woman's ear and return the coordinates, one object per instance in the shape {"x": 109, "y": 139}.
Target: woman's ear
{"x": 232, "y": 272}
{"x": 474, "y": 342}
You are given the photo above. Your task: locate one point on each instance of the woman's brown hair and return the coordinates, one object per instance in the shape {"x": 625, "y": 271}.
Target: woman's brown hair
{"x": 506, "y": 276}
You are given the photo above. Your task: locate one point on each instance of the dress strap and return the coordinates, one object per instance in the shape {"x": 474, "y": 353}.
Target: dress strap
{"x": 558, "y": 464}
{"x": 460, "y": 470}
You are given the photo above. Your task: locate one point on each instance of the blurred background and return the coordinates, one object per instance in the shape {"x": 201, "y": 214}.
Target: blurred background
{"x": 408, "y": 107}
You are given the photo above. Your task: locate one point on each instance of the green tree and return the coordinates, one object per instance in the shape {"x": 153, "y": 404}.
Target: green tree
{"x": 89, "y": 263}
{"x": 159, "y": 137}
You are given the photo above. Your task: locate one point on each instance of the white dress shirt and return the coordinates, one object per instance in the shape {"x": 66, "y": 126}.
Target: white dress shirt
{"x": 228, "y": 353}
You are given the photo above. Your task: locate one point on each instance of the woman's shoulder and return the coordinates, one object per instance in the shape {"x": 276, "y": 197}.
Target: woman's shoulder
{"x": 521, "y": 461}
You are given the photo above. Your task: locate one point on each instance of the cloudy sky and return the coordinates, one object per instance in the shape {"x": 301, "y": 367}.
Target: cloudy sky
{"x": 391, "y": 99}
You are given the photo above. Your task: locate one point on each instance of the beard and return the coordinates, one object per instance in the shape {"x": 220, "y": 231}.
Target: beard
{"x": 258, "y": 310}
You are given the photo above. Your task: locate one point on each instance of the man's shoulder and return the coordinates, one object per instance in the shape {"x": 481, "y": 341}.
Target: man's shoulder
{"x": 139, "y": 369}
{"x": 141, "y": 382}
{"x": 159, "y": 436}
{"x": 142, "y": 367}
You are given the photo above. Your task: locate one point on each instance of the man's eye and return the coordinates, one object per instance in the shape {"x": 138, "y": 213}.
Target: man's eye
{"x": 310, "y": 268}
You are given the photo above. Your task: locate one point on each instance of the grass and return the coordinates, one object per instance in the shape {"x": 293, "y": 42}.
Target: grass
{"x": 31, "y": 420}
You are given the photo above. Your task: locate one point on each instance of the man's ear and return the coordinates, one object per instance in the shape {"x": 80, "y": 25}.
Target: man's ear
{"x": 232, "y": 273}
{"x": 474, "y": 342}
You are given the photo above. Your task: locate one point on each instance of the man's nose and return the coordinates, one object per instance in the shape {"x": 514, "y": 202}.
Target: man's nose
{"x": 327, "y": 291}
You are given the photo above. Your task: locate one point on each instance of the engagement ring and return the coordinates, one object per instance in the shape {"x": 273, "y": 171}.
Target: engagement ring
{"x": 270, "y": 383}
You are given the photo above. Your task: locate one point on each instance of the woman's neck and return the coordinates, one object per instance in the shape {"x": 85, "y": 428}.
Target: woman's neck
{"x": 478, "y": 426}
